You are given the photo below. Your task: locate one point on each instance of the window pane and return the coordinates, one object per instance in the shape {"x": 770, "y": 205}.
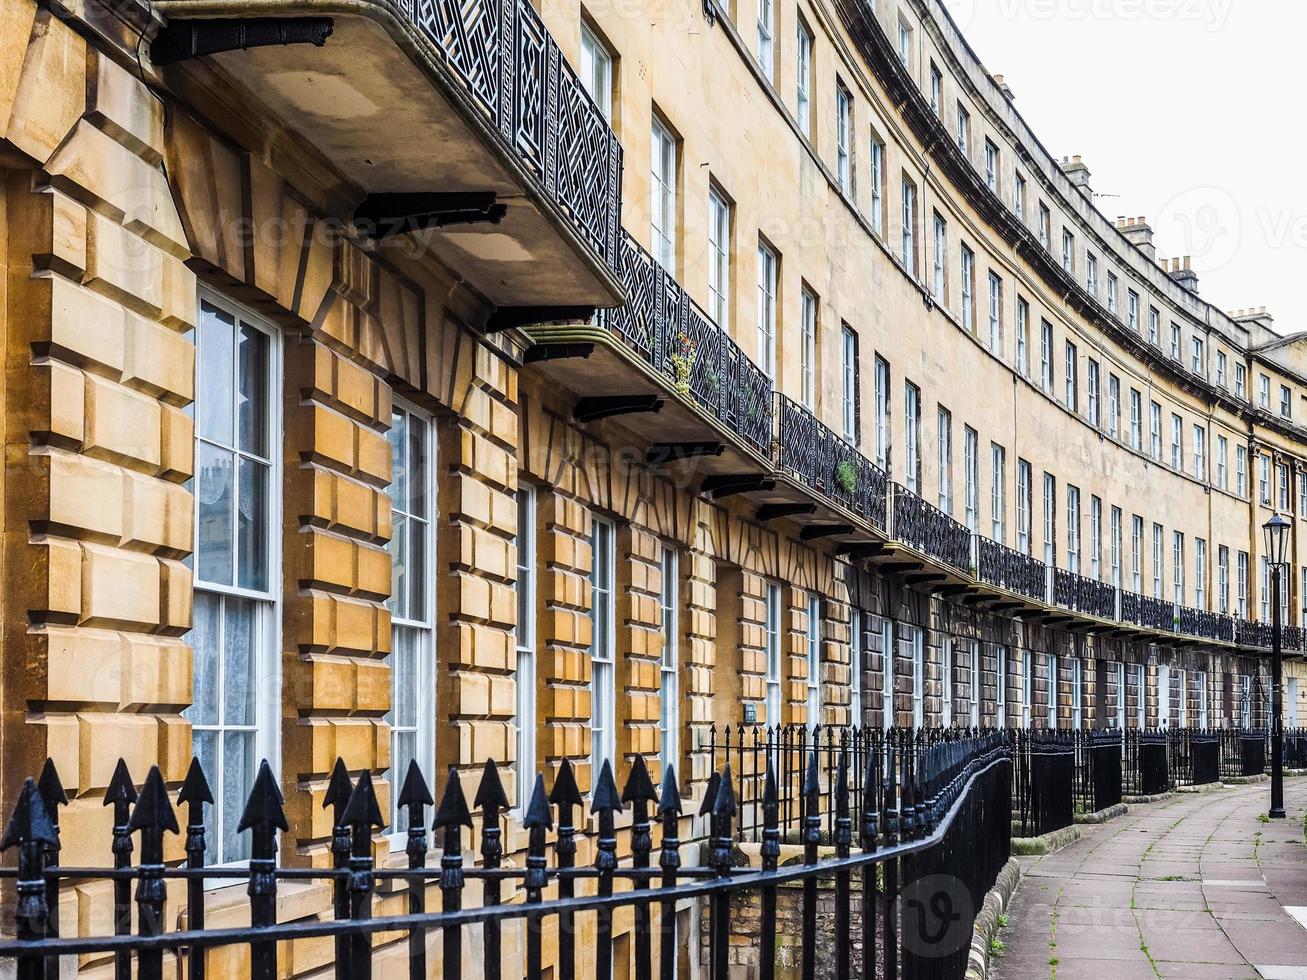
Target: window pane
{"x": 239, "y": 684}
{"x": 205, "y": 638}
{"x": 399, "y": 566}
{"x": 417, "y": 468}
{"x": 416, "y": 571}
{"x": 238, "y": 764}
{"x": 399, "y": 461}
{"x": 216, "y": 373}
{"x": 403, "y": 666}
{"x": 205, "y": 747}
{"x": 253, "y": 527}
{"x": 215, "y": 514}
{"x": 252, "y": 404}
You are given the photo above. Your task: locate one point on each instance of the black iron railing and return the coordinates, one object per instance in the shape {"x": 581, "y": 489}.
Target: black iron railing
{"x": 518, "y": 77}
{"x": 1083, "y": 594}
{"x": 1043, "y": 780}
{"x": 1201, "y": 622}
{"x": 813, "y": 454}
{"x": 1254, "y": 634}
{"x": 1098, "y": 768}
{"x": 932, "y": 820}
{"x": 661, "y": 324}
{"x": 1147, "y": 611}
{"x": 928, "y": 529}
{"x": 1008, "y": 569}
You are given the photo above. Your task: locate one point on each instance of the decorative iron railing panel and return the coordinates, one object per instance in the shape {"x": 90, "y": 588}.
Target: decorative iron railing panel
{"x": 680, "y": 341}
{"x": 819, "y": 459}
{"x": 1147, "y": 611}
{"x": 1010, "y": 569}
{"x": 1254, "y": 634}
{"x": 1083, "y": 594}
{"x": 517, "y": 75}
{"x": 1200, "y": 622}
{"x": 930, "y": 530}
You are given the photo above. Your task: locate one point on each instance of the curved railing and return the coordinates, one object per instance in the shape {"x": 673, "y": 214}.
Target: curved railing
{"x": 661, "y": 324}
{"x": 929, "y": 530}
{"x": 1009, "y": 569}
{"x": 1147, "y": 611}
{"x": 814, "y": 455}
{"x": 519, "y": 79}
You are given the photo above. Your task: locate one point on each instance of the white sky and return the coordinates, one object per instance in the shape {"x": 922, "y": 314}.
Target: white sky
{"x": 1188, "y": 112}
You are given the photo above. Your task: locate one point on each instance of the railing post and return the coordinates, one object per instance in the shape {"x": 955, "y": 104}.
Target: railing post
{"x": 537, "y": 822}
{"x": 639, "y": 792}
{"x": 491, "y": 800}
{"x": 52, "y": 792}
{"x": 843, "y": 841}
{"x": 605, "y": 803}
{"x": 869, "y": 842}
{"x": 811, "y": 838}
{"x": 565, "y": 796}
{"x": 152, "y": 816}
{"x": 195, "y": 793}
{"x": 415, "y": 797}
{"x": 723, "y": 810}
{"x": 453, "y": 816}
{"x": 264, "y": 817}
{"x": 669, "y": 808}
{"x": 890, "y": 820}
{"x": 339, "y": 790}
{"x": 770, "y": 855}
{"x": 30, "y": 829}
{"x": 121, "y": 794}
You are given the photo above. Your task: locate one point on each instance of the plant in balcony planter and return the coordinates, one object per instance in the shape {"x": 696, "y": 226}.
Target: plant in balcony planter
{"x": 685, "y": 349}
{"x": 846, "y": 477}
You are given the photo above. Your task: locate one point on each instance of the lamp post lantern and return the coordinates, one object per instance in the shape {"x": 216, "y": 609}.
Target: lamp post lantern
{"x": 1277, "y": 543}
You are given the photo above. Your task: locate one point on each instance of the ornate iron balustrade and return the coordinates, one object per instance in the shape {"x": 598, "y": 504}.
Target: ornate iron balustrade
{"x": 670, "y": 333}
{"x": 1147, "y": 611}
{"x": 1254, "y": 634}
{"x": 1200, "y": 622}
{"x": 930, "y": 530}
{"x": 1082, "y": 594}
{"x": 822, "y": 461}
{"x": 1294, "y": 637}
{"x": 517, "y": 75}
{"x": 1011, "y": 570}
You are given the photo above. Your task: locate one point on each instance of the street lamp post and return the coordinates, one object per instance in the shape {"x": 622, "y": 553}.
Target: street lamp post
{"x": 1277, "y": 542}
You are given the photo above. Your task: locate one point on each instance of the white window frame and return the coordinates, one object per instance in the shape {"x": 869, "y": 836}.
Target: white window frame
{"x": 803, "y": 78}
{"x": 849, "y": 384}
{"x": 887, "y": 673}
{"x": 998, "y": 492}
{"x": 603, "y": 646}
{"x": 944, "y": 440}
{"x": 597, "y": 71}
{"x": 524, "y": 636}
{"x": 774, "y": 685}
{"x": 814, "y": 659}
{"x": 662, "y": 190}
{"x": 844, "y": 139}
{"x": 909, "y": 218}
{"x": 948, "y": 654}
{"x": 917, "y": 641}
{"x": 995, "y": 313}
{"x": 669, "y": 665}
{"x": 766, "y": 34}
{"x": 912, "y": 436}
{"x": 971, "y": 477}
{"x": 941, "y": 256}
{"x": 267, "y": 602}
{"x": 975, "y": 683}
{"x": 855, "y": 666}
{"x": 1051, "y": 660}
{"x": 1027, "y": 686}
{"x": 719, "y": 258}
{"x": 1000, "y": 686}
{"x": 767, "y": 278}
{"x": 808, "y": 349}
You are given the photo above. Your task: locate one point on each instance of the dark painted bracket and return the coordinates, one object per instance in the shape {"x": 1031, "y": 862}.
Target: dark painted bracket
{"x": 183, "y": 39}
{"x": 507, "y": 317}
{"x": 383, "y": 215}
{"x": 607, "y": 406}
{"x": 814, "y": 531}
{"x": 556, "y": 352}
{"x": 772, "y": 512}
{"x": 728, "y": 484}
{"x": 667, "y": 452}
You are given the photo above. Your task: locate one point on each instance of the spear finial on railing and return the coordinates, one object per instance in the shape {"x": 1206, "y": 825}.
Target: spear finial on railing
{"x": 491, "y": 800}
{"x": 453, "y": 816}
{"x": 566, "y": 796}
{"x": 263, "y": 816}
{"x": 339, "y": 788}
{"x": 30, "y": 830}
{"x": 639, "y": 792}
{"x": 537, "y": 822}
{"x": 720, "y": 844}
{"x": 669, "y": 808}
{"x": 52, "y": 792}
{"x": 195, "y": 793}
{"x": 361, "y": 815}
{"x": 415, "y": 796}
{"x": 605, "y": 803}
{"x": 121, "y": 794}
{"x": 152, "y": 816}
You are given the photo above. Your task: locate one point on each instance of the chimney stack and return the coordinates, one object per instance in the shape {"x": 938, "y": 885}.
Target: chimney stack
{"x": 1138, "y": 232}
{"x": 1004, "y": 87}
{"x": 1182, "y": 272}
{"x": 1254, "y": 317}
{"x": 1076, "y": 172}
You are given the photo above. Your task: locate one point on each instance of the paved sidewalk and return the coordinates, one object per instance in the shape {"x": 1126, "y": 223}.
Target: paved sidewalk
{"x": 1192, "y": 887}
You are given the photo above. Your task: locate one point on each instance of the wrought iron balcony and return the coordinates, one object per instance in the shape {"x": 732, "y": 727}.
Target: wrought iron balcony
{"x": 999, "y": 565}
{"x": 1254, "y": 634}
{"x": 669, "y": 332}
{"x": 1201, "y": 622}
{"x": 462, "y": 123}
{"x": 930, "y": 531}
{"x": 813, "y": 454}
{"x": 1147, "y": 611}
{"x": 1082, "y": 594}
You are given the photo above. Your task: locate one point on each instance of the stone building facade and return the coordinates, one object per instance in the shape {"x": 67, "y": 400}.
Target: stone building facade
{"x": 493, "y": 382}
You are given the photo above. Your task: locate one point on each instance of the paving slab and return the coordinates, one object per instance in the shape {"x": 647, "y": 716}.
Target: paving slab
{"x": 1191, "y": 887}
